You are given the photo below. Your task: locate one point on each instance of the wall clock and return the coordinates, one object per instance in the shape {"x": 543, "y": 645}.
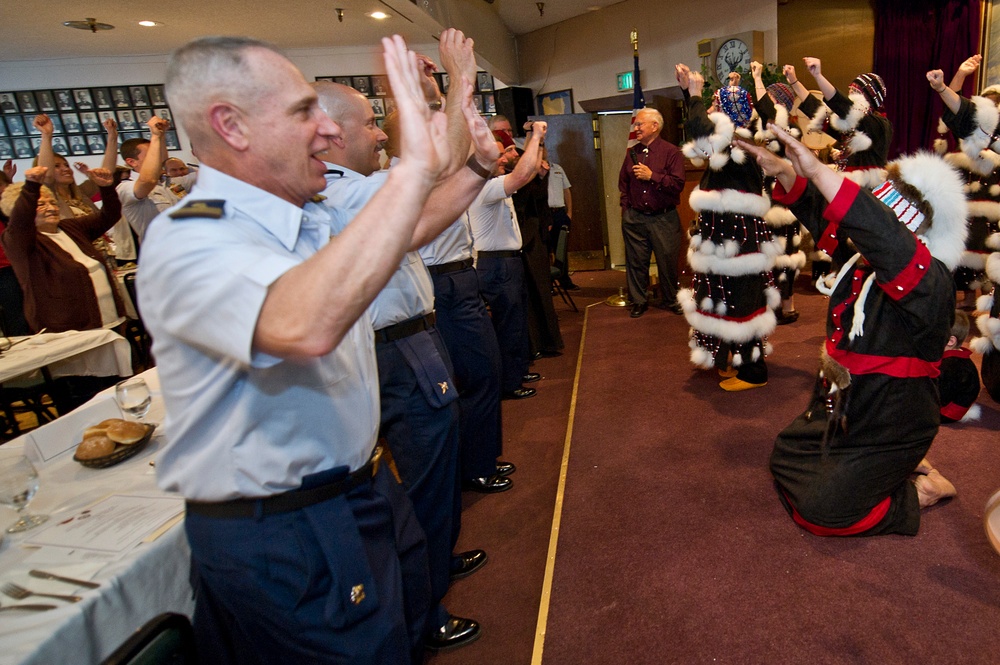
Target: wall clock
{"x": 731, "y": 54}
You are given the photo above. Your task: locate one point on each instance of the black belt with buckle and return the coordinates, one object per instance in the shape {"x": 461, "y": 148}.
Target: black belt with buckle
{"x": 405, "y": 328}
{"x": 454, "y": 266}
{"x": 287, "y": 501}
{"x": 500, "y": 254}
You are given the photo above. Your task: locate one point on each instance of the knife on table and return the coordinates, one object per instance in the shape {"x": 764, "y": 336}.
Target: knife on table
{"x": 42, "y": 575}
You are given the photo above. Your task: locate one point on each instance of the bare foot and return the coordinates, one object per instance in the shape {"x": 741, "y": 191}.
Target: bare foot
{"x": 924, "y": 467}
{"x": 933, "y": 487}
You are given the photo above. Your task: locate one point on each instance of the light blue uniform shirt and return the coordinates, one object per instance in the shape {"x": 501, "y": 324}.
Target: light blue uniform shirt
{"x": 410, "y": 291}
{"x": 493, "y": 220}
{"x": 241, "y": 423}
{"x": 558, "y": 184}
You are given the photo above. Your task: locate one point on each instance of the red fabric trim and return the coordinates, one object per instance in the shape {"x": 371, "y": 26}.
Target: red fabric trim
{"x": 901, "y": 367}
{"x": 834, "y": 213}
{"x": 960, "y": 352}
{"x": 867, "y": 522}
{"x": 838, "y": 311}
{"x": 910, "y": 276}
{"x": 787, "y": 198}
{"x": 861, "y": 168}
{"x": 741, "y": 319}
{"x": 954, "y": 411}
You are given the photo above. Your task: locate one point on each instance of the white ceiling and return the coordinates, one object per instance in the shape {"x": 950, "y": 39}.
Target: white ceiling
{"x": 34, "y": 30}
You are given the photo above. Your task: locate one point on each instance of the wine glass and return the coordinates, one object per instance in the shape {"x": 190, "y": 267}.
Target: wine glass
{"x": 133, "y": 397}
{"x": 18, "y": 484}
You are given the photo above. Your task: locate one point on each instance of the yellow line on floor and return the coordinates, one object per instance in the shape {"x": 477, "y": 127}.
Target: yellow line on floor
{"x": 550, "y": 561}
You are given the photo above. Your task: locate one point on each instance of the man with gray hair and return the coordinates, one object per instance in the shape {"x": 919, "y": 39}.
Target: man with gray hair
{"x": 650, "y": 183}
{"x": 303, "y": 549}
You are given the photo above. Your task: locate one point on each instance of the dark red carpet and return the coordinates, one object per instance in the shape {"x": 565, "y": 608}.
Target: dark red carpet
{"x": 673, "y": 547}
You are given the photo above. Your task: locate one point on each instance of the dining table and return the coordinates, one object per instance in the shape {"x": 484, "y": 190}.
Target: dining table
{"x": 112, "y": 527}
{"x": 98, "y": 352}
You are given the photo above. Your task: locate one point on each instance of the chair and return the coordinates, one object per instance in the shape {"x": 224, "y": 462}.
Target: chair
{"x": 167, "y": 639}
{"x": 135, "y": 329}
{"x": 560, "y": 267}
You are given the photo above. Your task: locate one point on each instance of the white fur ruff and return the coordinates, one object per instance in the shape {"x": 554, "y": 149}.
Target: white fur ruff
{"x": 993, "y": 268}
{"x": 713, "y": 147}
{"x": 796, "y": 261}
{"x": 988, "y": 209}
{"x": 714, "y": 259}
{"x": 868, "y": 178}
{"x": 984, "y": 303}
{"x": 817, "y": 121}
{"x": 729, "y": 201}
{"x": 993, "y": 241}
{"x": 982, "y": 164}
{"x": 859, "y": 107}
{"x": 779, "y": 216}
{"x": 941, "y": 187}
{"x": 987, "y": 118}
{"x": 733, "y": 331}
{"x": 990, "y": 328}
{"x": 972, "y": 260}
{"x": 974, "y": 413}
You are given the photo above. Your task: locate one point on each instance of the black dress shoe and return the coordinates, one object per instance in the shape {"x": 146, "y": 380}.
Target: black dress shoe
{"x": 675, "y": 308}
{"x": 531, "y": 377}
{"x": 466, "y": 563}
{"x": 505, "y": 469}
{"x": 550, "y": 353}
{"x": 456, "y": 632}
{"x": 784, "y": 319}
{"x": 638, "y": 310}
{"x": 536, "y": 355}
{"x": 520, "y": 393}
{"x": 488, "y": 485}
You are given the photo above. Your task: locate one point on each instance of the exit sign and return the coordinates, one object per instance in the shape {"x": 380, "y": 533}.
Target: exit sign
{"x": 625, "y": 81}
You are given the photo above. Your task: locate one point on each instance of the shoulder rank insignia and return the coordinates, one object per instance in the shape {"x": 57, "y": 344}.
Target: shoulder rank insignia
{"x": 200, "y": 209}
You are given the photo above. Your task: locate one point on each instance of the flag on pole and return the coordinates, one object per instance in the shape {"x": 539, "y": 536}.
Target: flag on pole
{"x": 638, "y": 101}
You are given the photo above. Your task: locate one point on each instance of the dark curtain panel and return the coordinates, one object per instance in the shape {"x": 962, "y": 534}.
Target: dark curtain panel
{"x": 912, "y": 38}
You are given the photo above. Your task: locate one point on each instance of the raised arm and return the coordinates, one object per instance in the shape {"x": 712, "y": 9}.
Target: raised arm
{"x": 297, "y": 318}
{"x": 46, "y": 156}
{"x": 760, "y": 90}
{"x": 111, "y": 147}
{"x": 156, "y": 153}
{"x": 527, "y": 166}
{"x": 966, "y": 69}
{"x": 815, "y": 67}
{"x": 793, "y": 80}
{"x": 951, "y": 99}
{"x": 460, "y": 63}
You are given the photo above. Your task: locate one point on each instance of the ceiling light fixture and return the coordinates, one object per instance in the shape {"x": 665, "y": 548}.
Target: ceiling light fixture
{"x": 379, "y": 16}
{"x": 541, "y": 8}
{"x": 340, "y": 15}
{"x": 149, "y": 24}
{"x": 90, "y": 24}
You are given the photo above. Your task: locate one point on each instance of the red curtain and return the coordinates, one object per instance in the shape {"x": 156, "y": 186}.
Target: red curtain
{"x": 912, "y": 38}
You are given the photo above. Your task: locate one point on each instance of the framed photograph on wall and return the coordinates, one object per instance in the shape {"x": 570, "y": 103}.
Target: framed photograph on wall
{"x": 443, "y": 81}
{"x": 96, "y": 144}
{"x": 15, "y": 126}
{"x": 102, "y": 97}
{"x": 6, "y": 149}
{"x": 8, "y": 104}
{"x": 559, "y": 102}
{"x": 390, "y": 105}
{"x": 84, "y": 100}
{"x": 71, "y": 123}
{"x": 126, "y": 121}
{"x": 156, "y": 95}
{"x": 378, "y": 107}
{"x": 59, "y": 145}
{"x": 343, "y": 80}
{"x": 77, "y": 146}
{"x": 361, "y": 84}
{"x": 489, "y": 103}
{"x": 171, "y": 140}
{"x": 26, "y": 100}
{"x": 477, "y": 103}
{"x": 46, "y": 101}
{"x": 23, "y": 149}
{"x": 90, "y": 122}
{"x": 64, "y": 100}
{"x": 380, "y": 86}
{"x": 120, "y": 98}
{"x": 484, "y": 82}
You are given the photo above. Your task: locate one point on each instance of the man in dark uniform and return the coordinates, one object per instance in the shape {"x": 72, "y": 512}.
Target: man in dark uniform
{"x": 650, "y": 184}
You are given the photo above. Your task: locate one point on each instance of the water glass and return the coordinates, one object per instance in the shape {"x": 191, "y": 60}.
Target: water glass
{"x": 18, "y": 484}
{"x": 133, "y": 398}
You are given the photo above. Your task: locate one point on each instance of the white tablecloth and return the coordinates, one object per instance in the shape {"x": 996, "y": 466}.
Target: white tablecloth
{"x": 150, "y": 580}
{"x": 72, "y": 353}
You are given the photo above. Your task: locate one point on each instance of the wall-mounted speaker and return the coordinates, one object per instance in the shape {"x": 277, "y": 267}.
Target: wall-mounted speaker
{"x": 518, "y": 104}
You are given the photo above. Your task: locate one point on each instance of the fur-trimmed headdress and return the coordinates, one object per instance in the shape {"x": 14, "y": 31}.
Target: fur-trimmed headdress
{"x": 872, "y": 87}
{"x": 927, "y": 195}
{"x": 782, "y": 95}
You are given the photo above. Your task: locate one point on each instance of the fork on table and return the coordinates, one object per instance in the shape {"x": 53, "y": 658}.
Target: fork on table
{"x": 20, "y": 593}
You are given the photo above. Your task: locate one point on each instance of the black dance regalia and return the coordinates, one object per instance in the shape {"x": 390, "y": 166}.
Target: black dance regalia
{"x": 730, "y": 305}
{"x": 842, "y": 467}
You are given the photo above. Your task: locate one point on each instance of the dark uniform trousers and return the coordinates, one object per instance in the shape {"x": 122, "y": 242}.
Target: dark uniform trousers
{"x": 341, "y": 581}
{"x": 465, "y": 326}
{"x": 423, "y": 439}
{"x": 657, "y": 234}
{"x": 501, "y": 282}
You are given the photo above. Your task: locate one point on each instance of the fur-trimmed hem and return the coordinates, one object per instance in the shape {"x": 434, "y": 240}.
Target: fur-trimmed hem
{"x": 988, "y": 209}
{"x": 711, "y": 263}
{"x": 993, "y": 241}
{"x": 817, "y": 122}
{"x": 993, "y": 267}
{"x": 990, "y": 329}
{"x": 859, "y": 107}
{"x": 733, "y": 331}
{"x": 981, "y": 345}
{"x": 984, "y": 163}
{"x": 796, "y": 261}
{"x": 729, "y": 201}
{"x": 779, "y": 216}
{"x": 859, "y": 142}
{"x": 713, "y": 147}
{"x": 984, "y": 303}
{"x": 972, "y": 260}
{"x": 974, "y": 413}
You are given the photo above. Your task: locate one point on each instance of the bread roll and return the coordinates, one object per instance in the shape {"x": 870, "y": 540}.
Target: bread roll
{"x": 94, "y": 447}
{"x": 101, "y": 427}
{"x": 126, "y": 432}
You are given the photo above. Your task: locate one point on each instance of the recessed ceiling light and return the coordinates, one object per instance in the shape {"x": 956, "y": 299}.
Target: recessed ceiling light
{"x": 149, "y": 24}
{"x": 379, "y": 16}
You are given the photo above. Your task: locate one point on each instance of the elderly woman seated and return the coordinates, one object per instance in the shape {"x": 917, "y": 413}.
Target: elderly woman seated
{"x": 66, "y": 281}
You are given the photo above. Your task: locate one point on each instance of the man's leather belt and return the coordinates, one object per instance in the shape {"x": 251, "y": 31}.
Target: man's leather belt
{"x": 651, "y": 214}
{"x": 405, "y": 328}
{"x": 287, "y": 501}
{"x": 454, "y": 266}
{"x": 500, "y": 254}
